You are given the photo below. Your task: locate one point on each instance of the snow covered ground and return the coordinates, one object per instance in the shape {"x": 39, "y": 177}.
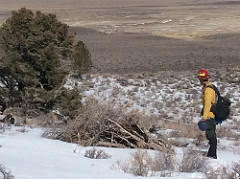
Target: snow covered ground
{"x": 173, "y": 98}
{"x": 28, "y": 155}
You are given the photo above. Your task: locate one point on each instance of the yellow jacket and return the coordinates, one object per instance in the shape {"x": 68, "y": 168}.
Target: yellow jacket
{"x": 208, "y": 98}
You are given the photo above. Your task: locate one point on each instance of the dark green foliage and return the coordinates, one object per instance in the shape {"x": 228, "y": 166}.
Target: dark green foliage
{"x": 36, "y": 98}
{"x": 68, "y": 101}
{"x": 32, "y": 45}
{"x": 81, "y": 58}
{"x": 37, "y": 53}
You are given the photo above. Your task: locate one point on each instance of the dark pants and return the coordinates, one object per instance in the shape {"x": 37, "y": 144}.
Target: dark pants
{"x": 211, "y": 136}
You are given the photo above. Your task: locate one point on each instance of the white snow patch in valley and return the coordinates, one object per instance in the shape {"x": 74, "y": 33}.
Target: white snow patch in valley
{"x": 166, "y": 21}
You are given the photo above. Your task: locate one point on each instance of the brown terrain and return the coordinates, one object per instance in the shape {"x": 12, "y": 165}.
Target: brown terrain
{"x": 127, "y": 36}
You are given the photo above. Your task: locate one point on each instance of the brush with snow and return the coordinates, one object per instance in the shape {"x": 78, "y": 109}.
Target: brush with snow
{"x": 103, "y": 125}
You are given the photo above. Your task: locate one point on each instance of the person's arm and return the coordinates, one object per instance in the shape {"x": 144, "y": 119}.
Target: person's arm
{"x": 209, "y": 95}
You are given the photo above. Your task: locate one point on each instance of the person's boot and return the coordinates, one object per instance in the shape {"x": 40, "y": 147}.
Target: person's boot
{"x": 212, "y": 157}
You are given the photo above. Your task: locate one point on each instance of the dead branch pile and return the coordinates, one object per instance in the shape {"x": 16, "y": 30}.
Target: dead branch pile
{"x": 103, "y": 125}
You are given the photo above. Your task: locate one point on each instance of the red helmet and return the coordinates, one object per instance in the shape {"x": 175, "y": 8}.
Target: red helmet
{"x": 203, "y": 74}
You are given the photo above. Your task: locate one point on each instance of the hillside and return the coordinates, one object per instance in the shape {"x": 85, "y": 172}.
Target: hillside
{"x": 146, "y": 55}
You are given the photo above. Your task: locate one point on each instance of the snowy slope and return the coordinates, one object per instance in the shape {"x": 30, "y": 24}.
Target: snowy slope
{"x": 29, "y": 156}
{"x": 174, "y": 98}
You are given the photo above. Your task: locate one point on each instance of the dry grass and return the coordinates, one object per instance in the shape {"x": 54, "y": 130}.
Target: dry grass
{"x": 237, "y": 143}
{"x": 142, "y": 164}
{"x": 192, "y": 161}
{"x": 227, "y": 132}
{"x": 96, "y": 154}
{"x": 163, "y": 161}
{"x": 236, "y": 124}
{"x": 54, "y": 133}
{"x": 220, "y": 173}
{"x": 183, "y": 129}
{"x": 2, "y": 128}
{"x": 139, "y": 165}
{"x": 236, "y": 169}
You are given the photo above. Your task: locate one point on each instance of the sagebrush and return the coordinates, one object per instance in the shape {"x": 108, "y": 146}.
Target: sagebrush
{"x": 144, "y": 164}
{"x": 192, "y": 161}
{"x": 96, "y": 154}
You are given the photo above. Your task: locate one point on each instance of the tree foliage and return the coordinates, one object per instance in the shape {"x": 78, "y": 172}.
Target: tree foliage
{"x": 81, "y": 58}
{"x": 37, "y": 52}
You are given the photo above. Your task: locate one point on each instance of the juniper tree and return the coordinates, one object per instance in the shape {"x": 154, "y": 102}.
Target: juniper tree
{"x": 81, "y": 58}
{"x": 37, "y": 52}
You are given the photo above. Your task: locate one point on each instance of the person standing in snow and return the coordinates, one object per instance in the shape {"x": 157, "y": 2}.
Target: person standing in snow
{"x": 208, "y": 99}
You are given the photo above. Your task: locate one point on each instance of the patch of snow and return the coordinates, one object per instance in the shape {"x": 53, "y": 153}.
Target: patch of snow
{"x": 27, "y": 155}
{"x": 166, "y": 21}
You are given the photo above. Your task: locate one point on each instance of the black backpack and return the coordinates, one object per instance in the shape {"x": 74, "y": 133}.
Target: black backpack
{"x": 221, "y": 109}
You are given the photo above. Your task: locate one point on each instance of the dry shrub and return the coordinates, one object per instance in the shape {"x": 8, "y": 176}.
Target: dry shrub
{"x": 123, "y": 165}
{"x": 96, "y": 154}
{"x": 184, "y": 129}
{"x": 174, "y": 134}
{"x": 190, "y": 131}
{"x": 139, "y": 165}
{"x": 163, "y": 161}
{"x": 226, "y": 132}
{"x": 236, "y": 169}
{"x": 104, "y": 125}
{"x": 48, "y": 120}
{"x": 2, "y": 128}
{"x": 142, "y": 164}
{"x": 237, "y": 143}
{"x": 4, "y": 173}
{"x": 236, "y": 123}
{"x": 115, "y": 91}
{"x": 220, "y": 173}
{"x": 122, "y": 81}
{"x": 54, "y": 133}
{"x": 192, "y": 161}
